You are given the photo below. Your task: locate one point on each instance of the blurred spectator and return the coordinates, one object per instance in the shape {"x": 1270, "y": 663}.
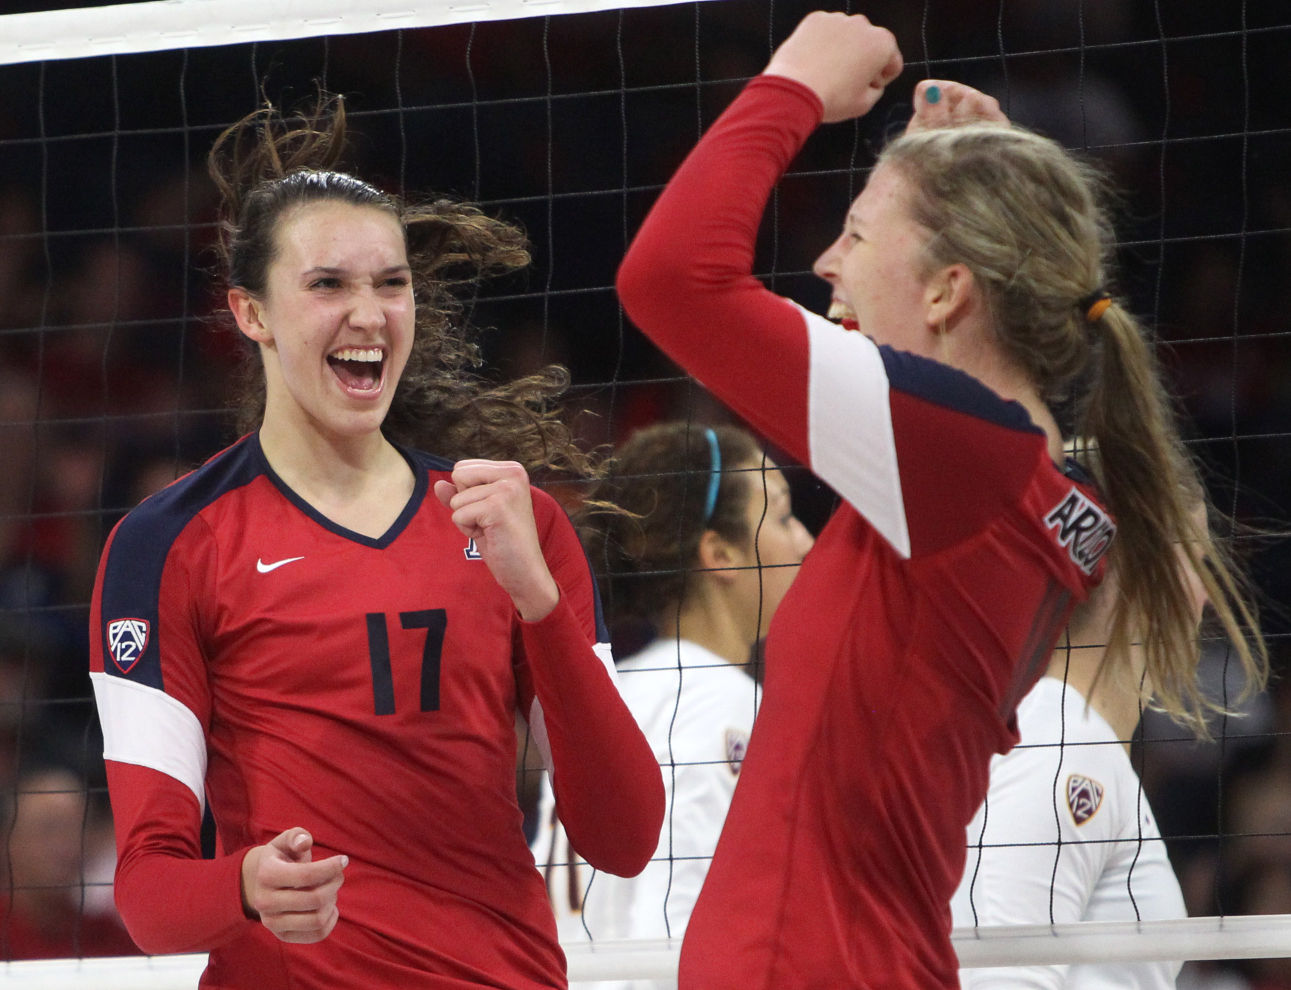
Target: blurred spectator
{"x": 43, "y": 906}
{"x": 21, "y": 283}
{"x": 1235, "y": 801}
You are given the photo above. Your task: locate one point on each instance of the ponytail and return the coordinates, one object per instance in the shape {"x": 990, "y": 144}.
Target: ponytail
{"x": 1150, "y": 483}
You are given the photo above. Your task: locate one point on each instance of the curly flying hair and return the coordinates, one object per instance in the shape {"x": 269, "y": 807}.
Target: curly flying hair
{"x": 267, "y": 164}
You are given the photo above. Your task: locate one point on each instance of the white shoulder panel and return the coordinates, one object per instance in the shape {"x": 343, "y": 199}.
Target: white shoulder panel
{"x": 850, "y": 427}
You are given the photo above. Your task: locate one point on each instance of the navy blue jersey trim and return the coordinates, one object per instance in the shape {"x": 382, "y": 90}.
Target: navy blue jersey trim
{"x": 941, "y": 385}
{"x": 427, "y": 462}
{"x": 132, "y": 573}
{"x": 602, "y": 627}
{"x": 1073, "y": 470}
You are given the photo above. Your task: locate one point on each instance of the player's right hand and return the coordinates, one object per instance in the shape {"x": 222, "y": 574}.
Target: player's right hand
{"x": 292, "y": 896}
{"x": 843, "y": 58}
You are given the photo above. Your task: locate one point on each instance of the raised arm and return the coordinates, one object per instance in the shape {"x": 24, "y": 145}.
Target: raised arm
{"x": 687, "y": 280}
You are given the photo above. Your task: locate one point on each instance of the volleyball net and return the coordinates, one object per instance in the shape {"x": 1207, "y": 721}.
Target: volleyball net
{"x": 568, "y": 117}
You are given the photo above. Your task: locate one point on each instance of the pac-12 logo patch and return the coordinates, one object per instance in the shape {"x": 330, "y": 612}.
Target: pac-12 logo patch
{"x": 1084, "y": 797}
{"x": 1083, "y": 528}
{"x": 737, "y": 744}
{"x": 127, "y": 639}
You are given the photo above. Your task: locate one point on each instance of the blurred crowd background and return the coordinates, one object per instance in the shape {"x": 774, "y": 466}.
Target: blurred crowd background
{"x": 115, "y": 364}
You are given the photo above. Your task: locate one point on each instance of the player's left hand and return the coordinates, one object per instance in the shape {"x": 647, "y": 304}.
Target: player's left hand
{"x": 491, "y": 504}
{"x": 945, "y": 103}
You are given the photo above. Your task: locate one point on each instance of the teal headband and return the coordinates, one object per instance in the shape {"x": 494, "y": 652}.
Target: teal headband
{"x": 714, "y": 474}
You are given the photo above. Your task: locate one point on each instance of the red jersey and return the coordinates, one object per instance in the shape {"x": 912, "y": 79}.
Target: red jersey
{"x": 249, "y": 652}
{"x": 927, "y": 608}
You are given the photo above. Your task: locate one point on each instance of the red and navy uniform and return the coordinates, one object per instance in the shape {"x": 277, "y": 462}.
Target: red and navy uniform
{"x": 927, "y": 608}
{"x": 249, "y": 652}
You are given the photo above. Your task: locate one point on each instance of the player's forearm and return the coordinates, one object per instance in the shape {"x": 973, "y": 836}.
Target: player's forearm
{"x": 171, "y": 899}
{"x": 696, "y": 246}
{"x": 609, "y": 791}
{"x": 180, "y": 905}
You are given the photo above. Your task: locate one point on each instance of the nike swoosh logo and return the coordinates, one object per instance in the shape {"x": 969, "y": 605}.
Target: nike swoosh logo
{"x": 264, "y": 568}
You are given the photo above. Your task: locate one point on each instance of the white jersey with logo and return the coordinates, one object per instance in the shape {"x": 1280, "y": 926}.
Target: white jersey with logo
{"x": 1068, "y": 793}
{"x": 696, "y": 710}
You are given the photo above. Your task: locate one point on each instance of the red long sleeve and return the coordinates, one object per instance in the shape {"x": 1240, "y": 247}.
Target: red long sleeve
{"x": 687, "y": 279}
{"x": 171, "y": 899}
{"x": 607, "y": 783}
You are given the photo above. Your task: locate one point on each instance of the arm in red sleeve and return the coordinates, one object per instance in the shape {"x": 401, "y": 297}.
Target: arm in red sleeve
{"x": 687, "y": 279}
{"x": 609, "y": 790}
{"x": 871, "y": 422}
{"x": 171, "y": 899}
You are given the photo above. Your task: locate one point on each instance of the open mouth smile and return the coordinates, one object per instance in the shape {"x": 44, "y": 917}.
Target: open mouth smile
{"x": 842, "y": 314}
{"x": 359, "y": 369}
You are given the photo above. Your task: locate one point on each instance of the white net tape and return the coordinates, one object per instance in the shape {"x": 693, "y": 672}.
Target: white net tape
{"x": 1250, "y": 937}
{"x": 165, "y": 24}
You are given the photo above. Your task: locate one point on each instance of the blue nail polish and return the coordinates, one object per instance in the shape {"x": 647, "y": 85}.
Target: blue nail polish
{"x": 932, "y": 94}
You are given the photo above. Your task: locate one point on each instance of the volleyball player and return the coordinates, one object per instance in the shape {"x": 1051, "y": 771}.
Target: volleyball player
{"x": 326, "y": 633}
{"x": 974, "y": 263}
{"x": 694, "y": 535}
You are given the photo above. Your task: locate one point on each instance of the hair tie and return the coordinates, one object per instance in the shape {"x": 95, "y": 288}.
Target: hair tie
{"x": 714, "y": 473}
{"x": 1094, "y": 305}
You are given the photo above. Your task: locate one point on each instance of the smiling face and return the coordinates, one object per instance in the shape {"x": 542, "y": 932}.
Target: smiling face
{"x": 335, "y": 322}
{"x": 875, "y": 267}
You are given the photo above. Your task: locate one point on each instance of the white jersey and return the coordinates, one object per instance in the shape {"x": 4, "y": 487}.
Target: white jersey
{"x": 696, "y": 710}
{"x": 1067, "y": 791}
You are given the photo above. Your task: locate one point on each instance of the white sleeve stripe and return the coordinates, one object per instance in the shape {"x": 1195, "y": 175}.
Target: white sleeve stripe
{"x": 538, "y": 732}
{"x": 538, "y": 721}
{"x": 849, "y": 427}
{"x": 148, "y": 728}
{"x": 606, "y": 655}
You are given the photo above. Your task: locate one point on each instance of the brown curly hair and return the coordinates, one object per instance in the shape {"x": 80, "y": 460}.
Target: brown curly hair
{"x": 643, "y": 523}
{"x": 267, "y": 164}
